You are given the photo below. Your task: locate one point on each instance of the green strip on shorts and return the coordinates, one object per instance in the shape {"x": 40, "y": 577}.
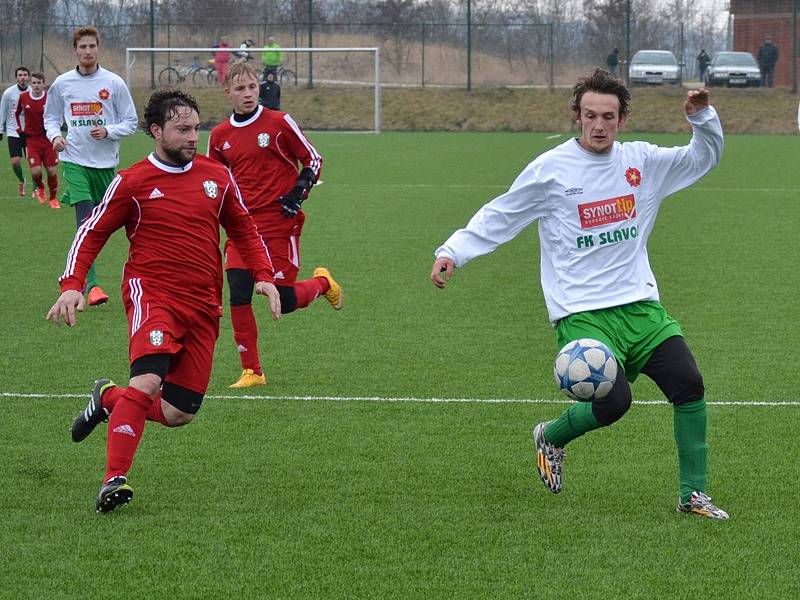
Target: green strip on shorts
{"x": 84, "y": 183}
{"x": 632, "y": 331}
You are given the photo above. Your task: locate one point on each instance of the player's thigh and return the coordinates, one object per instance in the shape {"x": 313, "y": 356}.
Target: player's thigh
{"x": 191, "y": 367}
{"x": 284, "y": 252}
{"x": 50, "y": 158}
{"x": 16, "y": 147}
{"x": 597, "y": 325}
{"x": 645, "y": 326}
{"x": 35, "y": 157}
{"x": 154, "y": 327}
{"x": 99, "y": 180}
{"x": 78, "y": 186}
{"x": 674, "y": 370}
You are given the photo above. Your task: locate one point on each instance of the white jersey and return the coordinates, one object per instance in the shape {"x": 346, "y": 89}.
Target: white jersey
{"x": 8, "y": 108}
{"x": 83, "y": 102}
{"x": 595, "y": 213}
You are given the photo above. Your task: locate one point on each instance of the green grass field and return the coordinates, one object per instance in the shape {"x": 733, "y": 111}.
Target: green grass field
{"x": 344, "y": 478}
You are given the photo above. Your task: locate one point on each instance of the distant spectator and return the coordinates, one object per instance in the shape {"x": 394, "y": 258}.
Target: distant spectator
{"x": 703, "y": 60}
{"x": 242, "y": 53}
{"x": 613, "y": 61}
{"x": 767, "y": 57}
{"x": 221, "y": 60}
{"x": 271, "y": 56}
{"x": 269, "y": 92}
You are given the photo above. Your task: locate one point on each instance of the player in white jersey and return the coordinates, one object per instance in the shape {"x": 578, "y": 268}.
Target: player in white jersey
{"x": 98, "y": 110}
{"x": 8, "y": 123}
{"x": 596, "y": 200}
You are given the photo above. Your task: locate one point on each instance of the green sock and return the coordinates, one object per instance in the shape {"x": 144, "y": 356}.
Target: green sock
{"x": 18, "y": 172}
{"x": 573, "y": 423}
{"x": 91, "y": 279}
{"x": 691, "y": 423}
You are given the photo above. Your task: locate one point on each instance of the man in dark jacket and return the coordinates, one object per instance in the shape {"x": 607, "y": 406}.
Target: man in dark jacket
{"x": 269, "y": 92}
{"x": 612, "y": 61}
{"x": 703, "y": 60}
{"x": 767, "y": 57}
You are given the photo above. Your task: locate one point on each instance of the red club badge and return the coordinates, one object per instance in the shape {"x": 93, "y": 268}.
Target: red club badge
{"x": 633, "y": 176}
{"x": 104, "y": 94}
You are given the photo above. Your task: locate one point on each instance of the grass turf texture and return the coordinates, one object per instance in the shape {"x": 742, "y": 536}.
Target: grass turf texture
{"x": 288, "y": 498}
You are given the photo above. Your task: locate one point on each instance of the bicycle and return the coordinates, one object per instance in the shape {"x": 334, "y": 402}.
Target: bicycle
{"x": 282, "y": 75}
{"x": 169, "y": 75}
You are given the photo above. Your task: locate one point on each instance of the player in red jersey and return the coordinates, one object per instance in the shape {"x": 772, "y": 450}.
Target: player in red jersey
{"x": 40, "y": 150}
{"x": 171, "y": 205}
{"x": 263, "y": 148}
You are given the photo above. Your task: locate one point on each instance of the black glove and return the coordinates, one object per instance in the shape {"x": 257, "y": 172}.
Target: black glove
{"x": 293, "y": 201}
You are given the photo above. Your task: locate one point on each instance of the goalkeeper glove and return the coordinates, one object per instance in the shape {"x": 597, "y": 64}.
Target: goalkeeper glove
{"x": 293, "y": 201}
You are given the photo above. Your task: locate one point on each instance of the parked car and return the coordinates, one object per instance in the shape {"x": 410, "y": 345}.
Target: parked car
{"x": 653, "y": 67}
{"x": 733, "y": 69}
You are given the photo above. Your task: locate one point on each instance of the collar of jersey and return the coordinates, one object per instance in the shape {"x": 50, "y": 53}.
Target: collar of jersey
{"x": 168, "y": 168}
{"x": 257, "y": 114}
{"x": 594, "y": 156}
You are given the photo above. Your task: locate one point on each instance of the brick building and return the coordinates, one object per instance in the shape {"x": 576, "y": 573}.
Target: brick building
{"x": 755, "y": 19}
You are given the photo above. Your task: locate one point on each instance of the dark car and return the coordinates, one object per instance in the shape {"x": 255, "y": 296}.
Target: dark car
{"x": 733, "y": 69}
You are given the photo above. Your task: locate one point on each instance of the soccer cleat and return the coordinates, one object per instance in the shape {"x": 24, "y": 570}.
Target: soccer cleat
{"x": 54, "y": 203}
{"x": 93, "y": 414}
{"x": 38, "y": 193}
{"x": 249, "y": 379}
{"x": 335, "y": 294}
{"x": 700, "y": 504}
{"x": 97, "y": 296}
{"x": 115, "y": 492}
{"x": 21, "y": 189}
{"x": 548, "y": 459}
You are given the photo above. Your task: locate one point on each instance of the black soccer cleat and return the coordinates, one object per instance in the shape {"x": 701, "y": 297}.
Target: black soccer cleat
{"x": 116, "y": 492}
{"x": 93, "y": 414}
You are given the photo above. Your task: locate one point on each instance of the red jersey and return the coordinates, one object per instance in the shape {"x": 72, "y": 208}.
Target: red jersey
{"x": 171, "y": 217}
{"x": 34, "y": 114}
{"x": 263, "y": 153}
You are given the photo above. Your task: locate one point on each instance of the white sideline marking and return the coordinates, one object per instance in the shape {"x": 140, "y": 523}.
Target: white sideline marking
{"x": 425, "y": 400}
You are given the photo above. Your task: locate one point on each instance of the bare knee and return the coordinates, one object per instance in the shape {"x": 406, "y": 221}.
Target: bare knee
{"x": 149, "y": 383}
{"x": 174, "y": 416}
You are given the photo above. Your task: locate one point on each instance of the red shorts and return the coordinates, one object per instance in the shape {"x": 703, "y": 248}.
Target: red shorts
{"x": 284, "y": 252}
{"x": 187, "y": 333}
{"x": 41, "y": 153}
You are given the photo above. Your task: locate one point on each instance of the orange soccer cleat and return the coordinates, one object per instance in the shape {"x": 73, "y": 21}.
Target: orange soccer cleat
{"x": 54, "y": 203}
{"x": 38, "y": 193}
{"x": 21, "y": 189}
{"x": 97, "y": 296}
{"x": 335, "y": 295}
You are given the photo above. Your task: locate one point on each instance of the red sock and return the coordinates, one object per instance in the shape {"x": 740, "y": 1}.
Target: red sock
{"x": 309, "y": 290}
{"x": 37, "y": 180}
{"x": 155, "y": 413}
{"x": 125, "y": 429}
{"x": 52, "y": 185}
{"x": 111, "y": 396}
{"x": 245, "y": 333}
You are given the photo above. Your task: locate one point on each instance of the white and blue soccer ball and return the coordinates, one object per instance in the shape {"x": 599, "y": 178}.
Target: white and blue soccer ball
{"x": 585, "y": 369}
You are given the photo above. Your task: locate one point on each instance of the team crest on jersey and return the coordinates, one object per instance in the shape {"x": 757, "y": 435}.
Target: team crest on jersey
{"x": 263, "y": 140}
{"x": 156, "y": 337}
{"x": 104, "y": 94}
{"x": 633, "y": 176}
{"x": 211, "y": 189}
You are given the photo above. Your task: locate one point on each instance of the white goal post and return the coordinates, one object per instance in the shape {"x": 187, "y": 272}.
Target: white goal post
{"x": 376, "y": 54}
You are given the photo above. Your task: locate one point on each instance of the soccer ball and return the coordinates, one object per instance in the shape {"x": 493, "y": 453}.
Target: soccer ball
{"x": 585, "y": 369}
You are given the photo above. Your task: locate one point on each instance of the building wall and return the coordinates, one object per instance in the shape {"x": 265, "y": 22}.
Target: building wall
{"x": 749, "y": 31}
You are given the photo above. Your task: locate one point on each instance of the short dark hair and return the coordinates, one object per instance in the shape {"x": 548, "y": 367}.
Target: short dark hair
{"x": 18, "y": 69}
{"x": 164, "y": 105}
{"x": 85, "y": 31}
{"x": 38, "y": 75}
{"x": 601, "y": 82}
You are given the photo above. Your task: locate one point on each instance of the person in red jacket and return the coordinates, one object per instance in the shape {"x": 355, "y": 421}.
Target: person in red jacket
{"x": 171, "y": 205}
{"x": 264, "y": 150}
{"x": 30, "y": 110}
{"x": 221, "y": 60}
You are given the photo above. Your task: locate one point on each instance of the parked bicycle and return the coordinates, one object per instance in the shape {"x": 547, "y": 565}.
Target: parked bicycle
{"x": 174, "y": 75}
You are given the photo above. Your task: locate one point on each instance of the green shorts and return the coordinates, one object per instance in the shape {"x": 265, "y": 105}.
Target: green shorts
{"x": 632, "y": 331}
{"x": 84, "y": 183}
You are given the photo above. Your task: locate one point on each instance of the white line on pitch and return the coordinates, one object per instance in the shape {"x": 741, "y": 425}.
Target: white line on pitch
{"x": 423, "y": 400}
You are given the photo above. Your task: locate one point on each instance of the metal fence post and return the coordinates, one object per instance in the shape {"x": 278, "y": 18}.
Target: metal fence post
{"x": 795, "y": 49}
{"x": 552, "y": 56}
{"x": 41, "y": 50}
{"x": 423, "y": 54}
{"x": 469, "y": 45}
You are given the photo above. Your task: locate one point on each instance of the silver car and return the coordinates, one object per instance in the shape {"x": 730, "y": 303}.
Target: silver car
{"x": 733, "y": 69}
{"x": 653, "y": 67}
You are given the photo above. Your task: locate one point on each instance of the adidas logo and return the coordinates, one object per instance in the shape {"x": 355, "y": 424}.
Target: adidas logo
{"x": 156, "y": 193}
{"x": 241, "y": 349}
{"x": 126, "y": 429}
{"x": 226, "y": 146}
